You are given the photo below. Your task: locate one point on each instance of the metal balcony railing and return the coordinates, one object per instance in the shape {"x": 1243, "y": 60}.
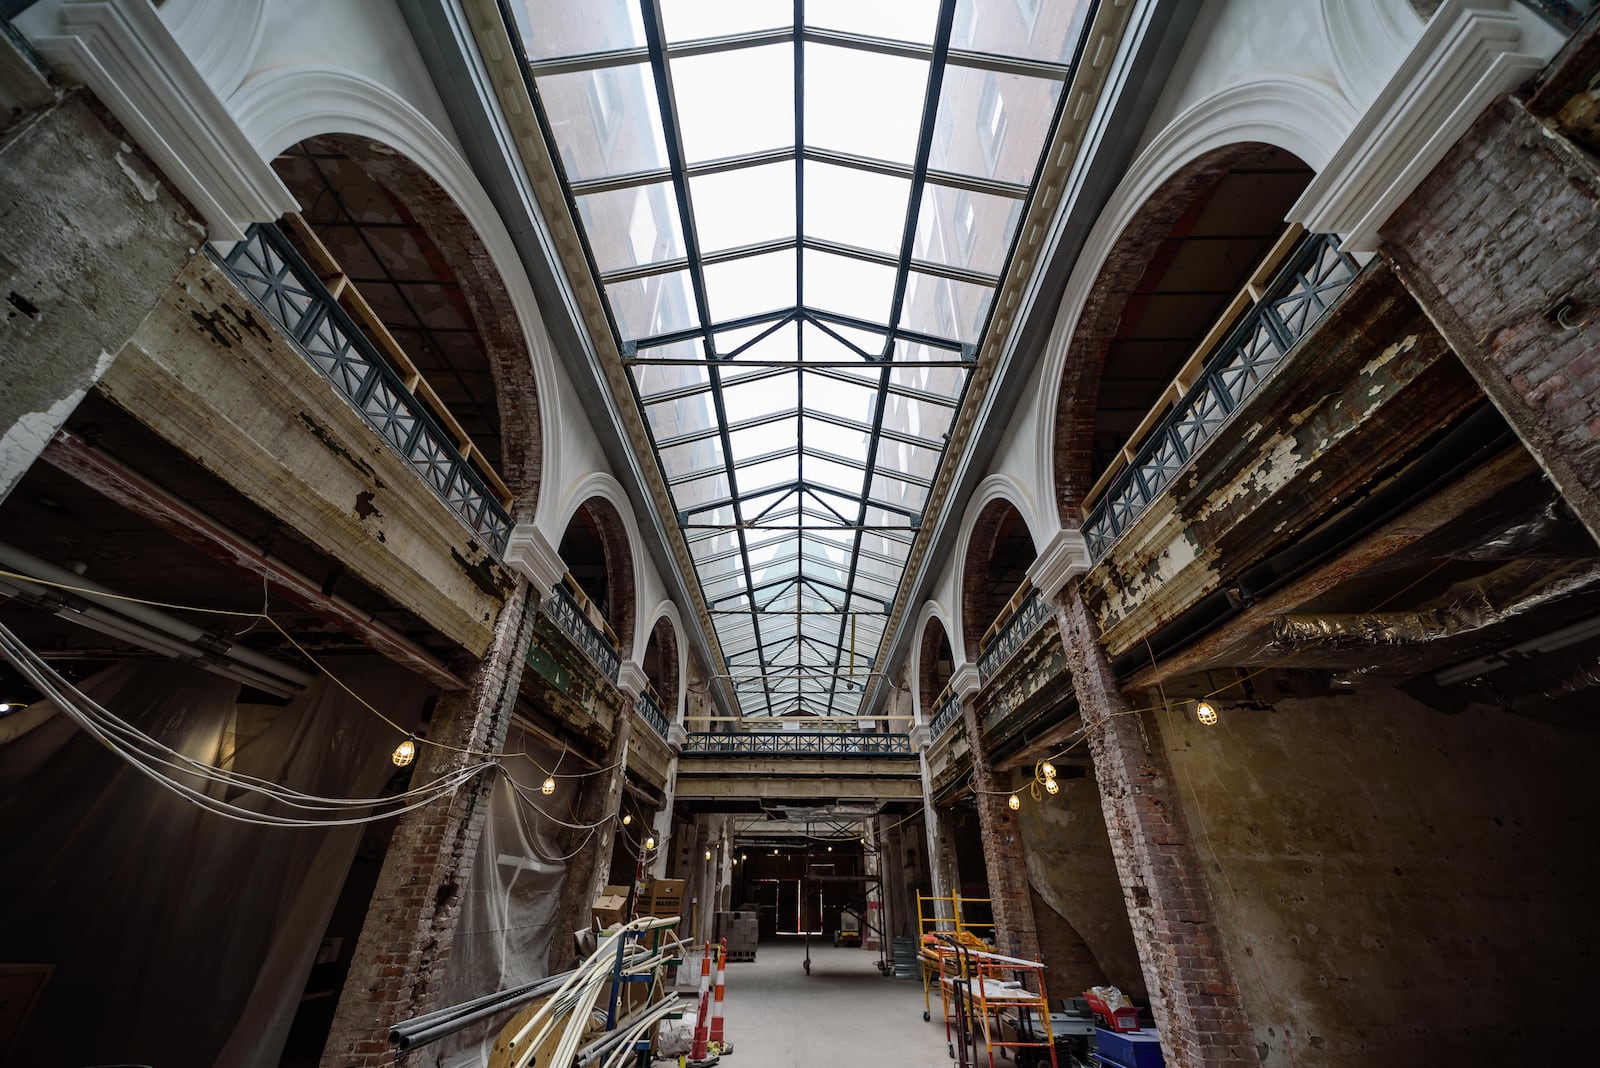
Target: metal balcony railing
{"x": 645, "y": 704}
{"x": 797, "y": 743}
{"x": 569, "y": 617}
{"x": 1025, "y": 614}
{"x": 1315, "y": 277}
{"x": 948, "y": 711}
{"x": 267, "y": 266}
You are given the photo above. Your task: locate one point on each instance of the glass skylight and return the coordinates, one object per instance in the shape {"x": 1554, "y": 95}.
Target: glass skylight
{"x": 799, "y": 215}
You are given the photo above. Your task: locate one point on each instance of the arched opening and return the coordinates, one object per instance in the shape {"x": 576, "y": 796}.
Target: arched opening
{"x": 599, "y": 563}
{"x": 403, "y": 259}
{"x": 661, "y": 666}
{"x": 935, "y": 665}
{"x": 995, "y": 570}
{"x": 1176, "y": 273}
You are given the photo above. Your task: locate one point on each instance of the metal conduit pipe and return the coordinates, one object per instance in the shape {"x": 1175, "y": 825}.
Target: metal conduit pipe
{"x": 27, "y": 564}
{"x": 125, "y": 630}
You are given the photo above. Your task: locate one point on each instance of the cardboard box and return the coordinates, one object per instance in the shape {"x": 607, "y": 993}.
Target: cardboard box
{"x": 609, "y": 910}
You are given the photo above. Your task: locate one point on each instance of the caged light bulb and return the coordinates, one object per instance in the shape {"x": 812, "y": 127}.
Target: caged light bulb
{"x": 1048, "y": 769}
{"x": 1205, "y": 712}
{"x": 404, "y": 753}
{"x": 650, "y": 843}
{"x": 1013, "y": 802}
{"x": 548, "y": 787}
{"x": 627, "y": 818}
{"x": 1050, "y": 787}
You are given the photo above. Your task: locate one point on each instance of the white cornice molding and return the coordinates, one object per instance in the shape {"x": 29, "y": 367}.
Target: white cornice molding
{"x": 1065, "y": 558}
{"x": 1466, "y": 57}
{"x": 530, "y": 552}
{"x": 631, "y": 678}
{"x": 965, "y": 680}
{"x": 122, "y": 51}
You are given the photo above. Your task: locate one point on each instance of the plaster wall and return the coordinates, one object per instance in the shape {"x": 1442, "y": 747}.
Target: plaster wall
{"x": 1396, "y": 885}
{"x": 1072, "y": 870}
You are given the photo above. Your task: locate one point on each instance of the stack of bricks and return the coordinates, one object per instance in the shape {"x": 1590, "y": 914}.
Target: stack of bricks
{"x": 742, "y": 930}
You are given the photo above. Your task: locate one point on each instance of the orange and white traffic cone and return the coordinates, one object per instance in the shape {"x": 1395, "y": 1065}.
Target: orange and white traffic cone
{"x": 719, "y": 1038}
{"x": 698, "y": 1053}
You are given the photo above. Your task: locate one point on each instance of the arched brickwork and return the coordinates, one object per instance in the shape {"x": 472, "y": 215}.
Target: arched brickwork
{"x": 621, "y": 585}
{"x": 935, "y": 664}
{"x": 463, "y": 257}
{"x": 1108, "y": 301}
{"x": 999, "y": 549}
{"x": 661, "y": 664}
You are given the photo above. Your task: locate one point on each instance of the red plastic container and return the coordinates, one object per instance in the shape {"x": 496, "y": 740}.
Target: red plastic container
{"x": 1120, "y": 1020}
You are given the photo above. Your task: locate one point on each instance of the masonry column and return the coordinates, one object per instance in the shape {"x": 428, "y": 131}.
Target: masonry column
{"x": 1186, "y": 968}
{"x": 410, "y": 925}
{"x": 1015, "y": 932}
{"x": 90, "y": 238}
{"x": 1499, "y": 244}
{"x": 589, "y": 870}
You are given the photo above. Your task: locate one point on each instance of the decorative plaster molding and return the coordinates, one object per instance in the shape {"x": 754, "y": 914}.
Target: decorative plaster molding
{"x": 919, "y": 741}
{"x": 1065, "y": 558}
{"x": 1465, "y": 58}
{"x": 531, "y": 553}
{"x": 222, "y": 39}
{"x": 631, "y": 678}
{"x": 677, "y": 737}
{"x": 124, "y": 52}
{"x": 965, "y": 681}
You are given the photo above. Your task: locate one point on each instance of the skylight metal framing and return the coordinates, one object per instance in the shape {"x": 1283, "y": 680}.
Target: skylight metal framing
{"x": 821, "y": 541}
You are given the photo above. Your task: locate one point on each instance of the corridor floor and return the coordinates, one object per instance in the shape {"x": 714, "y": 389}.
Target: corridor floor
{"x": 843, "y": 1013}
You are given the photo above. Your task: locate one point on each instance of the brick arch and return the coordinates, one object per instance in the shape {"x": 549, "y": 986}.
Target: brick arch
{"x": 930, "y": 679}
{"x": 1124, "y": 266}
{"x": 997, "y": 519}
{"x": 661, "y": 663}
{"x": 463, "y": 254}
{"x": 621, "y": 584}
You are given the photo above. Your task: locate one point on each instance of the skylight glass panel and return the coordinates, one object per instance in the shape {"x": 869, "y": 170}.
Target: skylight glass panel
{"x": 699, "y": 457}
{"x": 728, "y": 101}
{"x": 770, "y": 437}
{"x": 704, "y": 490}
{"x": 855, "y": 207}
{"x": 562, "y": 28}
{"x": 673, "y": 418}
{"x": 849, "y": 287}
{"x": 692, "y": 20}
{"x": 658, "y": 304}
{"x": 992, "y": 124}
{"x": 736, "y": 208}
{"x": 839, "y": 84}
{"x": 945, "y": 307}
{"x": 750, "y": 285}
{"x": 767, "y": 396}
{"x": 632, "y": 227}
{"x": 960, "y": 228}
{"x": 1030, "y": 29}
{"x": 606, "y": 121}
{"x": 900, "y": 20}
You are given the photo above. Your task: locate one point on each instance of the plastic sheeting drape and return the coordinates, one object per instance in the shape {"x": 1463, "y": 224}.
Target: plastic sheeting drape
{"x": 181, "y": 938}
{"x": 507, "y": 917}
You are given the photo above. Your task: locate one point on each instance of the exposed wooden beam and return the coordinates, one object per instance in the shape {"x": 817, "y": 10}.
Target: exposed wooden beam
{"x": 110, "y": 478}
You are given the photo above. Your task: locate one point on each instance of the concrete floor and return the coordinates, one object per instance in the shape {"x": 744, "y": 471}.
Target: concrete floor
{"x": 844, "y": 1012}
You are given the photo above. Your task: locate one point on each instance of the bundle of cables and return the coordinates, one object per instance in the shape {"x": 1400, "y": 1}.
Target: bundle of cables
{"x": 197, "y": 781}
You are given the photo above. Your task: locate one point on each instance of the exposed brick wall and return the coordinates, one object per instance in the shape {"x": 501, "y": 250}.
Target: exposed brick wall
{"x": 1010, "y": 895}
{"x": 1186, "y": 967}
{"x": 487, "y": 307}
{"x": 1101, "y": 318}
{"x": 590, "y": 866}
{"x": 621, "y": 588}
{"x": 410, "y": 925}
{"x": 986, "y": 530}
{"x": 1504, "y": 230}
{"x": 931, "y": 678}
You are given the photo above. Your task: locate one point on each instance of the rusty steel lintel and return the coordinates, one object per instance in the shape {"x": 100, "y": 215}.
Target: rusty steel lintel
{"x": 116, "y": 482}
{"x": 1475, "y": 490}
